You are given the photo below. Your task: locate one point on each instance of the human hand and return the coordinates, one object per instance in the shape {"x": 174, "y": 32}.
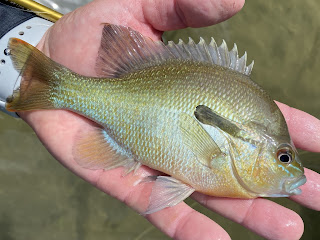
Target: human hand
{"x": 74, "y": 41}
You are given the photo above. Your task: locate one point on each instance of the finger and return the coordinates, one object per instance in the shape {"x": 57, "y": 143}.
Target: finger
{"x": 177, "y": 222}
{"x": 182, "y": 222}
{"x": 310, "y": 196}
{"x": 166, "y": 15}
{"x": 304, "y": 129}
{"x": 264, "y": 217}
{"x": 162, "y": 15}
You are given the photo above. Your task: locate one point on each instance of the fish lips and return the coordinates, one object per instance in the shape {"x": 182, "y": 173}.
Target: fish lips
{"x": 291, "y": 186}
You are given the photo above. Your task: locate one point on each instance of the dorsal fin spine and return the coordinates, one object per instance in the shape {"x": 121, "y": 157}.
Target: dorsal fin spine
{"x": 213, "y": 50}
{"x": 206, "y": 51}
{"x": 233, "y": 54}
{"x": 124, "y": 50}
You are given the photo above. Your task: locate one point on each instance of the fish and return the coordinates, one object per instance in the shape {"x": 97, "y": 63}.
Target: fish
{"x": 189, "y": 110}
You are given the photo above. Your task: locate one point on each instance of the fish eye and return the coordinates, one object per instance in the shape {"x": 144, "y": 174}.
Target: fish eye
{"x": 285, "y": 158}
{"x": 285, "y": 155}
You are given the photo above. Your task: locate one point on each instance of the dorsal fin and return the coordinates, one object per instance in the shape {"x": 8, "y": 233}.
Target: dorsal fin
{"x": 124, "y": 50}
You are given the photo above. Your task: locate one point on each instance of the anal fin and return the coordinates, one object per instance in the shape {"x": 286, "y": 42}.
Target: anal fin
{"x": 167, "y": 192}
{"x": 97, "y": 150}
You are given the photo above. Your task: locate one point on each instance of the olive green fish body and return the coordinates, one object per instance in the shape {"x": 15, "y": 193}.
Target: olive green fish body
{"x": 141, "y": 115}
{"x": 142, "y": 111}
{"x": 188, "y": 110}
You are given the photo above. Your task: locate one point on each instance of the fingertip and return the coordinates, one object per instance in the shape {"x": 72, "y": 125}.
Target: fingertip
{"x": 292, "y": 225}
{"x": 230, "y": 8}
{"x": 173, "y": 15}
{"x": 310, "y": 196}
{"x": 207, "y": 12}
{"x": 273, "y": 221}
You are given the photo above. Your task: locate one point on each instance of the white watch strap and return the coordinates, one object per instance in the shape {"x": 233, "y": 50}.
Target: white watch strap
{"x": 30, "y": 31}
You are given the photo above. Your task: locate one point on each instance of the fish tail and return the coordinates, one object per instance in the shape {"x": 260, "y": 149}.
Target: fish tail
{"x": 38, "y": 78}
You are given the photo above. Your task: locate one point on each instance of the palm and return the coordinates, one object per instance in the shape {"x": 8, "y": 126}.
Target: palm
{"x": 74, "y": 42}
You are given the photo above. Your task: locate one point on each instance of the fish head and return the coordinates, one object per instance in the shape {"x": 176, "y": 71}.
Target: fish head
{"x": 273, "y": 170}
{"x": 281, "y": 169}
{"x": 286, "y": 169}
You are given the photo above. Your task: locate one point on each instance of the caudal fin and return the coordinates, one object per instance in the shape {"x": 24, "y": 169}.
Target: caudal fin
{"x": 39, "y": 76}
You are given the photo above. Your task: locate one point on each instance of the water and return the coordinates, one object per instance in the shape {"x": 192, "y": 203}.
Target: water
{"x": 40, "y": 199}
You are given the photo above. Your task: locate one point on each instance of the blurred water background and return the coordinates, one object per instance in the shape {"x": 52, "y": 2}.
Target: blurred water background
{"x": 40, "y": 199}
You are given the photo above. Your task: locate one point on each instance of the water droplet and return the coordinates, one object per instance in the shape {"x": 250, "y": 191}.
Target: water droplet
{"x": 3, "y": 61}
{"x": 21, "y": 33}
{"x": 28, "y": 27}
{"x": 7, "y": 52}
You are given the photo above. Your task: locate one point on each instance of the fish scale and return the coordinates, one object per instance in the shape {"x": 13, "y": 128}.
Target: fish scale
{"x": 132, "y": 109}
{"x": 189, "y": 110}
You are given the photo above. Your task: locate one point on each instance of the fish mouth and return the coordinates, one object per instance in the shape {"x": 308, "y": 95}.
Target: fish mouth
{"x": 291, "y": 186}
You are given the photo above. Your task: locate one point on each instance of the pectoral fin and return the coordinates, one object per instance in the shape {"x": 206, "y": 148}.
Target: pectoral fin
{"x": 198, "y": 140}
{"x": 97, "y": 150}
{"x": 206, "y": 116}
{"x": 167, "y": 192}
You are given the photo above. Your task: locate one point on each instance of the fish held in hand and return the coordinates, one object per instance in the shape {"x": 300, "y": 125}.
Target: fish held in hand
{"x": 188, "y": 110}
